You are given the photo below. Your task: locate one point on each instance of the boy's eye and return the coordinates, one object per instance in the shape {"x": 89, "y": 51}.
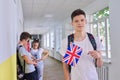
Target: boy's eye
{"x": 82, "y": 19}
{"x": 76, "y": 20}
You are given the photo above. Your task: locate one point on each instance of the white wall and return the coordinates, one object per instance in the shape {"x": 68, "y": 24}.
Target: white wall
{"x": 58, "y": 37}
{"x": 20, "y": 19}
{"x": 114, "y": 72}
{"x": 8, "y": 24}
{"x": 8, "y": 27}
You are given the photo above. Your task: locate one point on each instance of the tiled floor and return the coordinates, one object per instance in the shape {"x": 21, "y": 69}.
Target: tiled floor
{"x": 53, "y": 69}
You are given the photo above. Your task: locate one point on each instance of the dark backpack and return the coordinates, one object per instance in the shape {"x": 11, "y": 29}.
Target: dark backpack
{"x": 92, "y": 40}
{"x": 20, "y": 70}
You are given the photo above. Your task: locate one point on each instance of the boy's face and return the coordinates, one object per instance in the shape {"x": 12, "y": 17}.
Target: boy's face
{"x": 79, "y": 23}
{"x": 25, "y": 41}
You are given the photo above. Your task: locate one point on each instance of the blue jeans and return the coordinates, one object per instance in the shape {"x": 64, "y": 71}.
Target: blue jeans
{"x": 40, "y": 69}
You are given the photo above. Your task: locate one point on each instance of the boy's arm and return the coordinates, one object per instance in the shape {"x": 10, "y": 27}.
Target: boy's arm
{"x": 66, "y": 71}
{"x": 99, "y": 59}
{"x": 27, "y": 60}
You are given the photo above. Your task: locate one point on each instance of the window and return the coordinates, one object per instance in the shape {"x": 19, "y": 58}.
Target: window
{"x": 34, "y": 36}
{"x": 52, "y": 39}
{"x": 48, "y": 40}
{"x": 100, "y": 27}
{"x": 45, "y": 41}
{"x": 58, "y": 34}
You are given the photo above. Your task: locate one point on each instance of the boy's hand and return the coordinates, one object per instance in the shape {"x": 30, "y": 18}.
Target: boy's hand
{"x": 35, "y": 63}
{"x": 95, "y": 54}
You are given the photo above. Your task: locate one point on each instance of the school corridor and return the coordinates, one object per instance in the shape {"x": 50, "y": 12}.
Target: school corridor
{"x": 53, "y": 69}
{"x": 49, "y": 21}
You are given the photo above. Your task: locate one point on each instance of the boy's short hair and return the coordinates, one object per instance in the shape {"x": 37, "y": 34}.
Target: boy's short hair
{"x": 24, "y": 35}
{"x": 77, "y": 12}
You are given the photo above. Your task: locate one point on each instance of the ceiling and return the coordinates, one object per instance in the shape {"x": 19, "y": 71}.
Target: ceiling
{"x": 39, "y": 14}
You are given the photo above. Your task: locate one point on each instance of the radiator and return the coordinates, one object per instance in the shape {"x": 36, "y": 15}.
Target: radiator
{"x": 103, "y": 72}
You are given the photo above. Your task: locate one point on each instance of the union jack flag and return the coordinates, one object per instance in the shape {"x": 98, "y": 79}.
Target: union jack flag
{"x": 72, "y": 54}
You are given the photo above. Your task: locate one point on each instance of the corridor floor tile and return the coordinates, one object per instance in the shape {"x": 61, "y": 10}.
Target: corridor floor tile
{"x": 53, "y": 69}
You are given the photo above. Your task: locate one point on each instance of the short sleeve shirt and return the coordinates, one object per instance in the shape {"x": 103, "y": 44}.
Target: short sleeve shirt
{"x": 28, "y": 67}
{"x": 85, "y": 68}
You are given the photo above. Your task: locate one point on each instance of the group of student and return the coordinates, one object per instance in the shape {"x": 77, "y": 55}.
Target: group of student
{"x": 85, "y": 68}
{"x": 31, "y": 59}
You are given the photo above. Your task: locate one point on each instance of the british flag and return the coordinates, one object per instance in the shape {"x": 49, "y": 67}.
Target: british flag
{"x": 72, "y": 54}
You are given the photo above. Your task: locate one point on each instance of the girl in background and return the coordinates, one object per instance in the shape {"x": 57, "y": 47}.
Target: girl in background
{"x": 37, "y": 52}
